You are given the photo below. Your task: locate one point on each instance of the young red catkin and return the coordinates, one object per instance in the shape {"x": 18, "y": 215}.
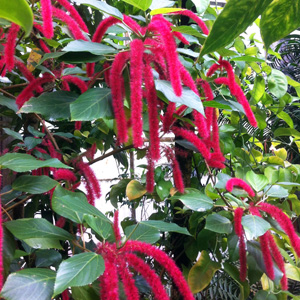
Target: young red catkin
{"x": 136, "y": 95}
{"x": 239, "y": 183}
{"x": 150, "y": 175}
{"x": 116, "y": 227}
{"x": 10, "y": 46}
{"x": 47, "y": 18}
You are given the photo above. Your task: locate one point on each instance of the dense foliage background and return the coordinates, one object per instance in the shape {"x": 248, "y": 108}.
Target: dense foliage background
{"x": 60, "y": 114}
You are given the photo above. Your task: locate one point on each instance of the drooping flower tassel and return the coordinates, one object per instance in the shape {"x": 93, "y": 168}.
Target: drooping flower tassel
{"x": 109, "y": 282}
{"x": 177, "y": 175}
{"x": 76, "y": 81}
{"x": 65, "y": 295}
{"x": 65, "y": 174}
{"x": 116, "y": 227}
{"x": 117, "y": 94}
{"x": 44, "y": 47}
{"x": 47, "y": 18}
{"x": 71, "y": 23}
{"x": 150, "y": 175}
{"x": 239, "y": 183}
{"x": 74, "y": 14}
{"x": 10, "y": 46}
{"x": 152, "y": 102}
{"x": 168, "y": 118}
{"x": 136, "y": 80}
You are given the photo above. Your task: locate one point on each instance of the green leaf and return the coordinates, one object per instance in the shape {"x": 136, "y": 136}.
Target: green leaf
{"x": 201, "y": 5}
{"x": 73, "y": 205}
{"x": 20, "y": 162}
{"x": 79, "y": 270}
{"x": 164, "y": 226}
{"x": 52, "y": 106}
{"x": 194, "y": 200}
{"x": 188, "y": 30}
{"x": 93, "y": 104}
{"x": 103, "y": 7}
{"x": 218, "y": 223}
{"x": 47, "y": 258}
{"x": 277, "y": 191}
{"x": 91, "y": 47}
{"x": 234, "y": 273}
{"x": 277, "y": 83}
{"x": 279, "y": 19}
{"x": 14, "y": 134}
{"x": 234, "y": 19}
{"x": 19, "y": 12}
{"x": 135, "y": 190}
{"x": 292, "y": 272}
{"x": 140, "y": 4}
{"x": 259, "y": 88}
{"x": 272, "y": 174}
{"x": 9, "y": 103}
{"x": 33, "y": 284}
{"x": 29, "y": 228}
{"x": 188, "y": 97}
{"x": 202, "y": 272}
{"x": 34, "y": 184}
{"x": 286, "y": 132}
{"x": 264, "y": 295}
{"x": 255, "y": 226}
{"x": 101, "y": 227}
{"x": 142, "y": 232}
{"x": 247, "y": 59}
{"x": 285, "y": 117}
{"x": 84, "y": 293}
{"x": 164, "y": 10}
{"x": 258, "y": 182}
{"x": 216, "y": 104}
{"x": 163, "y": 188}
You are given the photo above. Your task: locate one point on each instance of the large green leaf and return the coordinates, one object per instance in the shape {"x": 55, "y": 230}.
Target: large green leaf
{"x": 279, "y": 19}
{"x": 142, "y": 232}
{"x": 19, "y": 12}
{"x": 277, "y": 191}
{"x": 91, "y": 105}
{"x": 91, "y": 47}
{"x": 218, "y": 223}
{"x": 79, "y": 270}
{"x": 202, "y": 272}
{"x": 255, "y": 226}
{"x": 52, "y": 106}
{"x": 84, "y": 293}
{"x": 34, "y": 184}
{"x": 103, "y": 7}
{"x": 277, "y": 83}
{"x": 101, "y": 227}
{"x": 257, "y": 181}
{"x": 259, "y": 88}
{"x": 47, "y": 258}
{"x": 164, "y": 226}
{"x": 9, "y": 103}
{"x": 188, "y": 97}
{"x": 188, "y": 30}
{"x": 73, "y": 205}
{"x": 33, "y": 284}
{"x": 140, "y": 4}
{"x": 14, "y": 134}
{"x": 234, "y": 19}
{"x": 195, "y": 200}
{"x": 201, "y": 5}
{"x": 36, "y": 228}
{"x": 20, "y": 162}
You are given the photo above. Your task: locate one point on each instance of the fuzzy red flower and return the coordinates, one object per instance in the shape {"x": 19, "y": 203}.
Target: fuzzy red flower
{"x": 47, "y": 18}
{"x": 239, "y": 183}
{"x": 10, "y": 46}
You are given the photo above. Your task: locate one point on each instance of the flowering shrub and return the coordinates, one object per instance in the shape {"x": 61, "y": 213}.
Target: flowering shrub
{"x": 85, "y": 82}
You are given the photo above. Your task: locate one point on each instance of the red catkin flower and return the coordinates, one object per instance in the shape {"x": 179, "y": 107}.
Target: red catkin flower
{"x": 239, "y": 183}
{"x": 150, "y": 175}
{"x": 136, "y": 80}
{"x": 10, "y": 46}
{"x": 176, "y": 169}
{"x": 116, "y": 227}
{"x": 106, "y": 68}
{"x": 152, "y": 102}
{"x": 117, "y": 94}
{"x": 47, "y": 18}
{"x": 65, "y": 295}
{"x": 65, "y": 174}
{"x": 285, "y": 223}
{"x": 60, "y": 222}
{"x": 109, "y": 282}
{"x": 90, "y": 153}
{"x": 76, "y": 81}
{"x": 74, "y": 13}
{"x": 278, "y": 259}
{"x": 238, "y": 227}
{"x": 72, "y": 24}
{"x": 194, "y": 139}
{"x": 44, "y": 46}
{"x": 168, "y": 118}
{"x": 194, "y": 17}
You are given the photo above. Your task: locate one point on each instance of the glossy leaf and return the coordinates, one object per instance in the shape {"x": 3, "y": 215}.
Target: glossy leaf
{"x": 142, "y": 232}
{"x": 218, "y": 223}
{"x": 188, "y": 97}
{"x": 201, "y": 5}
{"x": 195, "y": 200}
{"x": 277, "y": 191}
{"x": 279, "y": 19}
{"x": 164, "y": 226}
{"x": 277, "y": 83}
{"x": 79, "y": 270}
{"x": 259, "y": 88}
{"x": 73, "y": 205}
{"x": 19, "y": 12}
{"x": 140, "y": 4}
{"x": 257, "y": 181}
{"x": 91, "y": 47}
{"x": 188, "y": 30}
{"x": 163, "y": 188}
{"x": 135, "y": 190}
{"x": 34, "y": 184}
{"x": 255, "y": 226}
{"x": 93, "y": 104}
{"x": 202, "y": 272}
{"x": 234, "y": 19}
{"x": 14, "y": 134}
{"x": 20, "y": 162}
{"x": 52, "y": 106}
{"x": 84, "y": 293}
{"x": 33, "y": 284}
{"x": 101, "y": 227}
{"x": 9, "y": 103}
{"x": 47, "y": 258}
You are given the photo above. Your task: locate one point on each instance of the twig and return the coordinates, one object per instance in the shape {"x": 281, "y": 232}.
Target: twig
{"x": 15, "y": 86}
{"x": 10, "y": 218}
{"x": 5, "y": 193}
{"x": 7, "y": 94}
{"x": 20, "y": 202}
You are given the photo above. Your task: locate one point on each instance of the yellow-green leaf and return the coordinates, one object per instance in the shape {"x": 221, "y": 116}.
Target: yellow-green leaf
{"x": 164, "y": 11}
{"x": 135, "y": 190}
{"x": 281, "y": 153}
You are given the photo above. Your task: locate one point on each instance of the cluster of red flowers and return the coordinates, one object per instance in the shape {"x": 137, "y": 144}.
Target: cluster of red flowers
{"x": 120, "y": 259}
{"x": 269, "y": 248}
